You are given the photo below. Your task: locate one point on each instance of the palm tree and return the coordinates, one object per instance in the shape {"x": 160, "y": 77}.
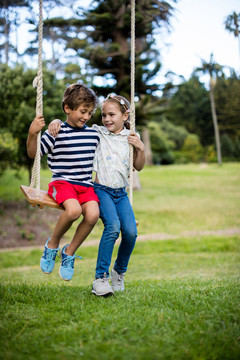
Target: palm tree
{"x": 213, "y": 69}
{"x": 232, "y": 24}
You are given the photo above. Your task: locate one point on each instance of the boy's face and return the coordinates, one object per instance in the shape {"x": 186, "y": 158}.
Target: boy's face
{"x": 79, "y": 117}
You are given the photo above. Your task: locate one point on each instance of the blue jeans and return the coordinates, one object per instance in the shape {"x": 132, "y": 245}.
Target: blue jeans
{"x": 117, "y": 216}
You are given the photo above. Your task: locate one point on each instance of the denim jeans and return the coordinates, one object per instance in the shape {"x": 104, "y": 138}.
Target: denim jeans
{"x": 117, "y": 216}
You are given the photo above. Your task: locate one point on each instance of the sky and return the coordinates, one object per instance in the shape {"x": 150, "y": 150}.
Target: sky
{"x": 198, "y": 31}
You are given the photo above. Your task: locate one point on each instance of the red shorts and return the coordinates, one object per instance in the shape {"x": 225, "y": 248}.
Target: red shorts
{"x": 61, "y": 191}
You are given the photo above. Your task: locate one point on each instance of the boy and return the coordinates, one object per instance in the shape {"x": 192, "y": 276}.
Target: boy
{"x": 70, "y": 158}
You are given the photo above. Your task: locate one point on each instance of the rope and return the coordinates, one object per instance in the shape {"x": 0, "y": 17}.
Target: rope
{"x": 38, "y": 82}
{"x": 132, "y": 106}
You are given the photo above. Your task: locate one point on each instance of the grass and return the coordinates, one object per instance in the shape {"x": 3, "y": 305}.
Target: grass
{"x": 173, "y": 199}
{"x": 182, "y": 297}
{"x": 181, "y": 302}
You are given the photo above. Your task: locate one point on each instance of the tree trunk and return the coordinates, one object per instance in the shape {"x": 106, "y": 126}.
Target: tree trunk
{"x": 147, "y": 142}
{"x": 6, "y": 35}
{"x": 215, "y": 121}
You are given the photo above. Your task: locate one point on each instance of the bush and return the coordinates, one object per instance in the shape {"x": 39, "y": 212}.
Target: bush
{"x": 8, "y": 150}
{"x": 192, "y": 149}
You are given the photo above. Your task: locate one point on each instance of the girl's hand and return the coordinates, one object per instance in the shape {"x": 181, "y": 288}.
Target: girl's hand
{"x": 135, "y": 141}
{"x": 37, "y": 125}
{"x": 54, "y": 127}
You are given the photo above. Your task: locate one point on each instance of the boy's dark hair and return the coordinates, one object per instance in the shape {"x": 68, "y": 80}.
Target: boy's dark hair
{"x": 78, "y": 94}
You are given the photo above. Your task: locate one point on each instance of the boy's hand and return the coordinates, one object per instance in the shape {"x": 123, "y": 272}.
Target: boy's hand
{"x": 37, "y": 125}
{"x": 134, "y": 140}
{"x": 54, "y": 127}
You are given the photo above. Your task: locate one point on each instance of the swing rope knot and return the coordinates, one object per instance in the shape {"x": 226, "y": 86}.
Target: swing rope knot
{"x": 35, "y": 82}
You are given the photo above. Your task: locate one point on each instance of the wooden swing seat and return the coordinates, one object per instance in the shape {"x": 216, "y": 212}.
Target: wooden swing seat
{"x": 44, "y": 199}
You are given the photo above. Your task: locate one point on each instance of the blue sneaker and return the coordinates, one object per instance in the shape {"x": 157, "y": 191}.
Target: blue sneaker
{"x": 48, "y": 258}
{"x": 66, "y": 270}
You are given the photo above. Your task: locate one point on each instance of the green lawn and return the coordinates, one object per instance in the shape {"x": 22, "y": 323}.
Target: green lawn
{"x": 173, "y": 199}
{"x": 182, "y": 297}
{"x": 182, "y": 301}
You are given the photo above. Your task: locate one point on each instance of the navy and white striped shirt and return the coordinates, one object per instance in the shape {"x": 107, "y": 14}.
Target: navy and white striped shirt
{"x": 71, "y": 153}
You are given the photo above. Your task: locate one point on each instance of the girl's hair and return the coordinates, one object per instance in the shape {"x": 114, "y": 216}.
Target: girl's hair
{"x": 77, "y": 94}
{"x": 122, "y": 103}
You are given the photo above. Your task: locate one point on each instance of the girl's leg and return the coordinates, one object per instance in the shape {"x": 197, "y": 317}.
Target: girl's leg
{"x": 111, "y": 231}
{"x": 90, "y": 212}
{"x": 129, "y": 234}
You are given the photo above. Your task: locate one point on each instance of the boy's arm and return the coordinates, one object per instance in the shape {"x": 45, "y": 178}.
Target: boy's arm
{"x": 139, "y": 151}
{"x": 36, "y": 126}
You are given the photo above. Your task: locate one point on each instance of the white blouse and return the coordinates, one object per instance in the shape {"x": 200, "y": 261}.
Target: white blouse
{"x": 111, "y": 162}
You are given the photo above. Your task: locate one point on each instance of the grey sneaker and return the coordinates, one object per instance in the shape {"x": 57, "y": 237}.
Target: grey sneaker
{"x": 117, "y": 280}
{"x": 101, "y": 287}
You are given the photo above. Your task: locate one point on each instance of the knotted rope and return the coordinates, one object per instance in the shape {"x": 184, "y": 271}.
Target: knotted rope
{"x": 38, "y": 83}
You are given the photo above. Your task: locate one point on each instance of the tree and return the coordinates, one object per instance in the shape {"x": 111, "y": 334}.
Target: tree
{"x": 213, "y": 70}
{"x": 232, "y": 24}
{"x": 227, "y": 98}
{"x": 189, "y": 107}
{"x": 18, "y": 103}
{"x": 9, "y": 17}
{"x": 101, "y": 36}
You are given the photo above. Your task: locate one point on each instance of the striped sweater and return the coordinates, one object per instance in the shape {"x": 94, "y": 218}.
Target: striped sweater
{"x": 71, "y": 153}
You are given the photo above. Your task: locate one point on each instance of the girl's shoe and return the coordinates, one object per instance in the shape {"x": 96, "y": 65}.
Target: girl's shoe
{"x": 47, "y": 261}
{"x": 101, "y": 287}
{"x": 117, "y": 280}
{"x": 66, "y": 270}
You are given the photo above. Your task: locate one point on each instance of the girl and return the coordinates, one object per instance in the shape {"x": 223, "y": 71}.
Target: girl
{"x": 111, "y": 165}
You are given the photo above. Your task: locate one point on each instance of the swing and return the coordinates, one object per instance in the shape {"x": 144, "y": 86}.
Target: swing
{"x": 38, "y": 197}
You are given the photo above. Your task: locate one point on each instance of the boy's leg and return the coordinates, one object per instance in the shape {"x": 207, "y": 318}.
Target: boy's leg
{"x": 90, "y": 217}
{"x": 72, "y": 211}
{"x": 90, "y": 212}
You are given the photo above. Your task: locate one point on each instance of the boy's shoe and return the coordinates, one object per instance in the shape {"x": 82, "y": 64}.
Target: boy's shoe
{"x": 117, "y": 280}
{"x": 66, "y": 270}
{"x": 101, "y": 287}
{"x": 47, "y": 261}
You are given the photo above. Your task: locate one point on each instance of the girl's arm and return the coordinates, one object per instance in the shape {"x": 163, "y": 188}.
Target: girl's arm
{"x": 139, "y": 151}
{"x": 54, "y": 127}
{"x": 36, "y": 126}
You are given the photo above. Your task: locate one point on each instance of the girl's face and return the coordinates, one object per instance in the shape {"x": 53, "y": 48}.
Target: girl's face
{"x": 112, "y": 117}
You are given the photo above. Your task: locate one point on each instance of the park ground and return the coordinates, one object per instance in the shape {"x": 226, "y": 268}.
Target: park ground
{"x": 182, "y": 287}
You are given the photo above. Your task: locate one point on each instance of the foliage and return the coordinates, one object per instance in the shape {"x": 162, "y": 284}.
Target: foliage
{"x": 192, "y": 150}
{"x": 214, "y": 70}
{"x": 230, "y": 148}
{"x": 227, "y": 98}
{"x": 165, "y": 139}
{"x": 177, "y": 134}
{"x": 232, "y": 23}
{"x": 161, "y": 145}
{"x": 18, "y": 105}
{"x": 8, "y": 19}
{"x": 8, "y": 150}
{"x": 190, "y": 107}
{"x": 105, "y": 42}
